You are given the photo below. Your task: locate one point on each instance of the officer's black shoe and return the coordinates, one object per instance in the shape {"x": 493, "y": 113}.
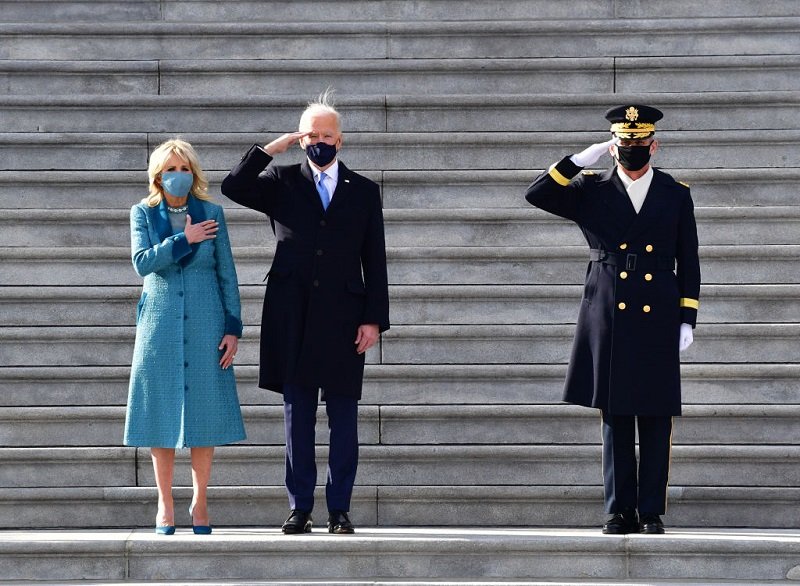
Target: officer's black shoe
{"x": 339, "y": 522}
{"x": 298, "y": 522}
{"x": 651, "y": 524}
{"x": 621, "y": 524}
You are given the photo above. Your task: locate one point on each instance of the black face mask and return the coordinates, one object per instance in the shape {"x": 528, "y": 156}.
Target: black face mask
{"x": 321, "y": 153}
{"x": 633, "y": 158}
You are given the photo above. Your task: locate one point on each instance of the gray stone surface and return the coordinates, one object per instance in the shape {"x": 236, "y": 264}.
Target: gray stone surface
{"x": 28, "y": 77}
{"x": 59, "y": 466}
{"x": 349, "y": 10}
{"x": 365, "y": 76}
{"x": 707, "y": 73}
{"x": 174, "y": 114}
{"x": 548, "y": 344}
{"x": 78, "y": 11}
{"x": 435, "y": 228}
{"x": 568, "y": 112}
{"x": 402, "y": 151}
{"x": 84, "y": 266}
{"x": 442, "y": 384}
{"x": 102, "y": 426}
{"x": 568, "y": 424}
{"x": 98, "y": 346}
{"x": 569, "y": 38}
{"x": 553, "y": 465}
{"x": 112, "y": 507}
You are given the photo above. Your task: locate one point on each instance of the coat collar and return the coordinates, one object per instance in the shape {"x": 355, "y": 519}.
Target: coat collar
{"x": 616, "y": 198}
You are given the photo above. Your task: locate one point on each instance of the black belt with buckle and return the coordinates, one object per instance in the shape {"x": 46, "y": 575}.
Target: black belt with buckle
{"x": 632, "y": 262}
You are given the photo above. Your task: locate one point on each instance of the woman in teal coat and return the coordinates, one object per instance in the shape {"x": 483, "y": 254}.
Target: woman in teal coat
{"x": 182, "y": 390}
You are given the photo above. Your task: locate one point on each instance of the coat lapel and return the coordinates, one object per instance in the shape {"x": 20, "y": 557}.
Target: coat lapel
{"x": 160, "y": 220}
{"x": 198, "y": 214}
{"x": 616, "y": 199}
{"x": 653, "y": 205}
{"x": 309, "y": 186}
{"x": 340, "y": 194}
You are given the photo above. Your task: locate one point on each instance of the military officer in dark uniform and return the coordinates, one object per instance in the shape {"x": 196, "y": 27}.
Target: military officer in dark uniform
{"x": 639, "y": 306}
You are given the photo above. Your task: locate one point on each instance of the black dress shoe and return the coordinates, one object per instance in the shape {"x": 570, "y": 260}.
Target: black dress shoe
{"x": 651, "y": 524}
{"x": 339, "y": 522}
{"x": 621, "y": 524}
{"x": 298, "y": 522}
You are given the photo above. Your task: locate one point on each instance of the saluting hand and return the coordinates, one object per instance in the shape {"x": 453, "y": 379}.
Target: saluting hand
{"x": 205, "y": 230}
{"x": 590, "y": 155}
{"x": 282, "y": 143}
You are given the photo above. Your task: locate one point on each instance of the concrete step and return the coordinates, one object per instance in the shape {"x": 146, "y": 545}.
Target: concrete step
{"x": 25, "y": 76}
{"x": 437, "y": 344}
{"x": 542, "y": 112}
{"x": 100, "y": 346}
{"x": 526, "y": 226}
{"x": 434, "y": 189}
{"x": 380, "y": 556}
{"x": 551, "y": 465}
{"x": 359, "y": 10}
{"x": 547, "y": 344}
{"x": 388, "y": 506}
{"x": 424, "y": 425}
{"x": 410, "y": 304}
{"x": 459, "y": 265}
{"x": 385, "y": 39}
{"x": 401, "y": 151}
{"x": 237, "y": 77}
{"x": 103, "y": 426}
{"x": 472, "y": 384}
{"x": 232, "y": 77}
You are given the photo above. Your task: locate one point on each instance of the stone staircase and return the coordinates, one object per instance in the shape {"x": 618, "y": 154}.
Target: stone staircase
{"x": 453, "y": 107}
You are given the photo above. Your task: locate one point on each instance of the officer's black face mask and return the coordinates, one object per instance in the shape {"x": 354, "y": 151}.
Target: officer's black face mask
{"x": 633, "y": 158}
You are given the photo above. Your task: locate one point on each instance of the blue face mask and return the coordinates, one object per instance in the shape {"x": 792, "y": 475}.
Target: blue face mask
{"x": 321, "y": 153}
{"x": 177, "y": 183}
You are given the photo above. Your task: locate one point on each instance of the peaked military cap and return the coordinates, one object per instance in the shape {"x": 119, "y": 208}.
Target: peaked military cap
{"x": 633, "y": 121}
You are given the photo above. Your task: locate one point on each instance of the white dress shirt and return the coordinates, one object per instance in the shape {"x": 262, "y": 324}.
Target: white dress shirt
{"x": 637, "y": 190}
{"x": 331, "y": 176}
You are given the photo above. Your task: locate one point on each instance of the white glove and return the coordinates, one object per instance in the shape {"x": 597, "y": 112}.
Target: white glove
{"x": 686, "y": 337}
{"x": 590, "y": 155}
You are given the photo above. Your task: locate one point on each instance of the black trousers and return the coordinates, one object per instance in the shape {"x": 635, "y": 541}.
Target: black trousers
{"x": 300, "y": 418}
{"x": 628, "y": 487}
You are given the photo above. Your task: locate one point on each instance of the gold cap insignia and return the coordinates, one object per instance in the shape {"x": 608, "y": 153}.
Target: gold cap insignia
{"x": 631, "y": 114}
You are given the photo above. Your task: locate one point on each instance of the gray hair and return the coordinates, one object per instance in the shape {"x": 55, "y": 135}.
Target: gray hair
{"x": 324, "y": 104}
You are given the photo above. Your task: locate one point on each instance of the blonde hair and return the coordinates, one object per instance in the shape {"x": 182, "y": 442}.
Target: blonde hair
{"x": 324, "y": 104}
{"x": 158, "y": 160}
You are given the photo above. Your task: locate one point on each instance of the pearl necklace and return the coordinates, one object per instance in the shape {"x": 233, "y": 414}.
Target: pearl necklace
{"x": 178, "y": 210}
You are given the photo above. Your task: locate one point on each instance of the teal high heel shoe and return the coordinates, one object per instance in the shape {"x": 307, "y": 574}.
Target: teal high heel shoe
{"x": 199, "y": 529}
{"x": 165, "y": 529}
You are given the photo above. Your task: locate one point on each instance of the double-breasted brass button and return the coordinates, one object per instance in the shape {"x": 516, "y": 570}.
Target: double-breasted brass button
{"x": 648, "y": 277}
{"x": 622, "y": 305}
{"x": 646, "y": 309}
{"x": 623, "y": 275}
{"x": 623, "y": 246}
{"x": 649, "y": 248}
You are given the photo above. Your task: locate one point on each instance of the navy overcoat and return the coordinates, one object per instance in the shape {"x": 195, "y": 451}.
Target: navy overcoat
{"x": 179, "y": 396}
{"x": 625, "y": 357}
{"x": 328, "y": 275}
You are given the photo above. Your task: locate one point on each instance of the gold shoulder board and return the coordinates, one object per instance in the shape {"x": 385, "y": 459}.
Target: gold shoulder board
{"x": 684, "y": 184}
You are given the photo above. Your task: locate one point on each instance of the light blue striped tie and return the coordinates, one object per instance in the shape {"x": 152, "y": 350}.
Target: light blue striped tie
{"x": 324, "y": 196}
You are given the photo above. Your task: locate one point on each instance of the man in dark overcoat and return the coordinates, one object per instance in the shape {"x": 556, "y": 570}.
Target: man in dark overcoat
{"x": 326, "y": 300}
{"x": 638, "y": 310}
